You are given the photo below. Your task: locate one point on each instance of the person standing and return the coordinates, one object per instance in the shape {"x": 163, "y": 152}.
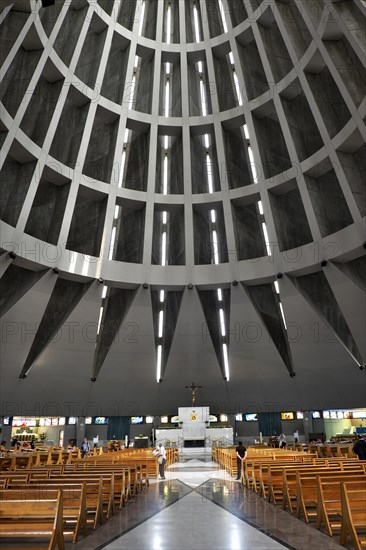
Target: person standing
{"x": 282, "y": 441}
{"x": 85, "y": 447}
{"x": 241, "y": 454}
{"x": 359, "y": 448}
{"x": 160, "y": 453}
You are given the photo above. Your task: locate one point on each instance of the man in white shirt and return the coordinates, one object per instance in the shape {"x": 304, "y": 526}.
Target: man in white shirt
{"x": 282, "y": 441}
{"x": 160, "y": 453}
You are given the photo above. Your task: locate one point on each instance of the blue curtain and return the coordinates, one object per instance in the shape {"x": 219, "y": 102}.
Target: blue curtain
{"x": 118, "y": 427}
{"x": 269, "y": 423}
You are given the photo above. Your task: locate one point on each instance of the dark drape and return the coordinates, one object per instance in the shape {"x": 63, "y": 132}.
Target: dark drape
{"x": 118, "y": 427}
{"x": 269, "y": 423}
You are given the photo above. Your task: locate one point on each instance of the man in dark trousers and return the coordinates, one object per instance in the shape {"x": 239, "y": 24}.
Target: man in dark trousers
{"x": 85, "y": 447}
{"x": 160, "y": 453}
{"x": 359, "y": 448}
{"x": 241, "y": 454}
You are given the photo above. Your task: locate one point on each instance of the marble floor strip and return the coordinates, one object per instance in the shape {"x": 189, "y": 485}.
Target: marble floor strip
{"x": 195, "y": 523}
{"x": 271, "y": 520}
{"x": 199, "y": 506}
{"x": 158, "y": 497}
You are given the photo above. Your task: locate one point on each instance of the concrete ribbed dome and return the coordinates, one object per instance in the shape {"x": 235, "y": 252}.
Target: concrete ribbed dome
{"x": 183, "y": 197}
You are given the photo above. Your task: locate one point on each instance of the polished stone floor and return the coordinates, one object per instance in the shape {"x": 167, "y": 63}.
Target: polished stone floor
{"x": 199, "y": 506}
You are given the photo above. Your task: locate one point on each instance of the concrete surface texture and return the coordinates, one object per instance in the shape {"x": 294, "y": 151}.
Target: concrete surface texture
{"x": 183, "y": 184}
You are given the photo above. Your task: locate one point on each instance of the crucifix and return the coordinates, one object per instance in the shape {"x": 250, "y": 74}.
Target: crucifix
{"x": 193, "y": 389}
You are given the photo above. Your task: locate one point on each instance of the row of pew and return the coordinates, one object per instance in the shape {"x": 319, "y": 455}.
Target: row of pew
{"x": 226, "y": 456}
{"x": 58, "y": 502}
{"x": 28, "y": 459}
{"x": 329, "y": 492}
{"x": 14, "y": 460}
{"x": 329, "y": 450}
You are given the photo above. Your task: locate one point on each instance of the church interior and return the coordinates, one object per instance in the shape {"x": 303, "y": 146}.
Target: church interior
{"x": 183, "y": 274}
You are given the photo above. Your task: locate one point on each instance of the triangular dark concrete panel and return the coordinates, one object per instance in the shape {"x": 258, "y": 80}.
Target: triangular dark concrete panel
{"x": 16, "y": 282}
{"x": 265, "y": 302}
{"x": 355, "y": 270}
{"x": 211, "y": 306}
{"x": 171, "y": 308}
{"x": 116, "y": 306}
{"x": 319, "y": 294}
{"x": 64, "y": 298}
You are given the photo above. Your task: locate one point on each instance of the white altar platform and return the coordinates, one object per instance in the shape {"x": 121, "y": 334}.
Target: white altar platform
{"x": 195, "y": 430}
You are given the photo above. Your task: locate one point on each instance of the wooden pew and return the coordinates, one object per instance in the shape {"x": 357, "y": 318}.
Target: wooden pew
{"x": 22, "y": 461}
{"x": 117, "y": 492}
{"x": 41, "y": 473}
{"x": 128, "y": 478}
{"x": 16, "y": 461}
{"x": 14, "y": 477}
{"x": 274, "y": 490}
{"x": 118, "y": 458}
{"x": 121, "y": 487}
{"x": 45, "y": 473}
{"x": 55, "y": 457}
{"x": 36, "y": 460}
{"x": 42, "y": 458}
{"x": 147, "y": 464}
{"x": 329, "y": 501}
{"x": 74, "y": 503}
{"x": 6, "y": 462}
{"x": 93, "y": 491}
{"x": 135, "y": 476}
{"x": 73, "y": 455}
{"x": 108, "y": 485}
{"x": 132, "y": 479}
{"x": 118, "y": 495}
{"x": 28, "y": 520}
{"x": 339, "y": 461}
{"x": 144, "y": 475}
{"x": 271, "y": 478}
{"x": 252, "y": 465}
{"x": 353, "y": 498}
{"x": 138, "y": 477}
{"x": 252, "y": 470}
{"x": 290, "y": 484}
{"x": 282, "y": 486}
{"x": 306, "y": 485}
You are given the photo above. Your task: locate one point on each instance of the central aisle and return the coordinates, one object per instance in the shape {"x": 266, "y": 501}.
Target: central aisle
{"x": 195, "y": 523}
{"x": 200, "y": 506}
{"x": 195, "y": 466}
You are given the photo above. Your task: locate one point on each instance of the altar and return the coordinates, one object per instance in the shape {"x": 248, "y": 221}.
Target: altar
{"x": 195, "y": 429}
{"x": 194, "y": 421}
{"x": 141, "y": 442}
